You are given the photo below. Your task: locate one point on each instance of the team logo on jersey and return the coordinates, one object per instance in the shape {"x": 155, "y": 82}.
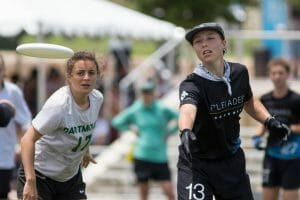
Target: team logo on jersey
{"x": 183, "y": 95}
{"x": 79, "y": 129}
{"x": 230, "y": 107}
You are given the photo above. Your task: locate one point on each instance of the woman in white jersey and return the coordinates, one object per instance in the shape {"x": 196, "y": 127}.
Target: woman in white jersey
{"x": 58, "y": 142}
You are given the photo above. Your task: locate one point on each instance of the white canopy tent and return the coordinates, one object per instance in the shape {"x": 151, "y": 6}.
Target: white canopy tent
{"x": 91, "y": 18}
{"x": 79, "y": 17}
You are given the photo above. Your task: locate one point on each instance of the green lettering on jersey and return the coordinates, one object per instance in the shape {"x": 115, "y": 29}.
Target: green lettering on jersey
{"x": 71, "y": 131}
{"x": 84, "y": 129}
{"x": 79, "y": 129}
{"x": 66, "y": 130}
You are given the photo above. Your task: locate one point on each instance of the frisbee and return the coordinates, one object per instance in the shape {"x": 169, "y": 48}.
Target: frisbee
{"x": 44, "y": 50}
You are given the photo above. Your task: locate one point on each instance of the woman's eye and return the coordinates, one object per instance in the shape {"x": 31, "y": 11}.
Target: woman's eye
{"x": 197, "y": 41}
{"x": 91, "y": 73}
{"x": 80, "y": 73}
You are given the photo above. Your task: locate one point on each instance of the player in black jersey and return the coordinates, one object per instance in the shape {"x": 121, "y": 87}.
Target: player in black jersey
{"x": 211, "y": 162}
{"x": 281, "y": 167}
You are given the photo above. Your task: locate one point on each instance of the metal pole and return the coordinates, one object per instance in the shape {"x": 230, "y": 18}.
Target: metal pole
{"x": 41, "y": 87}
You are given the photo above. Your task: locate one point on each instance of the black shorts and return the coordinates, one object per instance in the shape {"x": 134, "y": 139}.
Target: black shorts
{"x": 203, "y": 179}
{"x": 281, "y": 173}
{"x": 5, "y": 178}
{"x": 145, "y": 170}
{"x": 49, "y": 189}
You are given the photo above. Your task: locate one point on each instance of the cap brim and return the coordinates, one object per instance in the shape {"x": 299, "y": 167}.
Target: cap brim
{"x": 190, "y": 35}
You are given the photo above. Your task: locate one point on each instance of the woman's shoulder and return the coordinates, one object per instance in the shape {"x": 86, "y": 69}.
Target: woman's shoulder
{"x": 191, "y": 78}
{"x": 237, "y": 66}
{"x": 96, "y": 94}
{"x": 12, "y": 87}
{"x": 60, "y": 97}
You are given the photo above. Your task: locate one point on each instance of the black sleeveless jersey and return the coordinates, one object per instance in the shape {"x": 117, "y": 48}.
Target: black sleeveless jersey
{"x": 217, "y": 120}
{"x": 286, "y": 109}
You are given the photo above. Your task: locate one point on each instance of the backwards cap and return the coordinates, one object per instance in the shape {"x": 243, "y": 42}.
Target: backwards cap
{"x": 189, "y": 36}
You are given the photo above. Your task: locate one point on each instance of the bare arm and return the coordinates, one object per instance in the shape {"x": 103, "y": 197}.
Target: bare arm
{"x": 295, "y": 128}
{"x": 256, "y": 110}
{"x": 27, "y": 153}
{"x": 187, "y": 115}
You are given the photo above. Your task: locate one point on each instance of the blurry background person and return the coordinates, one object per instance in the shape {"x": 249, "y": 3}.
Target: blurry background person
{"x": 8, "y": 134}
{"x": 102, "y": 130}
{"x": 281, "y": 166}
{"x": 30, "y": 91}
{"x": 54, "y": 81}
{"x": 152, "y": 122}
{"x": 7, "y": 112}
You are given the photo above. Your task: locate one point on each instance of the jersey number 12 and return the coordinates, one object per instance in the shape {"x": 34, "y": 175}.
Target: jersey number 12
{"x": 79, "y": 146}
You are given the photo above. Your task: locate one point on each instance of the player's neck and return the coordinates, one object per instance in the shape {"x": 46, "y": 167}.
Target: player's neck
{"x": 82, "y": 101}
{"x": 216, "y": 68}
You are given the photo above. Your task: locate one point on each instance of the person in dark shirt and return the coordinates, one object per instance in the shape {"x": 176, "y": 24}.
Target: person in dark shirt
{"x": 211, "y": 162}
{"x": 281, "y": 166}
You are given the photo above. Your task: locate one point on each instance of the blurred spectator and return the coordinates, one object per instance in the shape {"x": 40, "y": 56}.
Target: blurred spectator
{"x": 152, "y": 123}
{"x": 16, "y": 79}
{"x": 54, "y": 81}
{"x": 30, "y": 91}
{"x": 102, "y": 130}
{"x": 281, "y": 166}
{"x": 163, "y": 84}
{"x": 8, "y": 134}
{"x": 120, "y": 49}
{"x": 7, "y": 112}
{"x": 114, "y": 103}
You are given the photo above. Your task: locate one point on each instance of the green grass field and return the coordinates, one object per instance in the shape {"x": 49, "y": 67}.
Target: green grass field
{"x": 98, "y": 45}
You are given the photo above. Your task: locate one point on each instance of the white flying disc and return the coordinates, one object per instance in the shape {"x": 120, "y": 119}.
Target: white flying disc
{"x": 44, "y": 50}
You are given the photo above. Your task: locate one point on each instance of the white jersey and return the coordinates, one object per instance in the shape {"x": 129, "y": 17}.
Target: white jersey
{"x": 67, "y": 131}
{"x": 8, "y": 137}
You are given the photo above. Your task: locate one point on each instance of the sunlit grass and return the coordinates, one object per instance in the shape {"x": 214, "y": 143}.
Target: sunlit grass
{"x": 99, "y": 45}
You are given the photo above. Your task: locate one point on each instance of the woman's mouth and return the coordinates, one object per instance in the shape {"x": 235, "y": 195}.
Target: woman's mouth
{"x": 207, "y": 52}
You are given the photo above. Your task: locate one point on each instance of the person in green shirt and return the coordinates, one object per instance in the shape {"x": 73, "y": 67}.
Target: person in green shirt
{"x": 152, "y": 122}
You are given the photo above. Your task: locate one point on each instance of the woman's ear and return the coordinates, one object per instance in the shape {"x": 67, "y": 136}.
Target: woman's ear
{"x": 224, "y": 46}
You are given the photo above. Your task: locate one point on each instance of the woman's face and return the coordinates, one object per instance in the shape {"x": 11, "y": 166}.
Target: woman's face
{"x": 209, "y": 46}
{"x": 83, "y": 77}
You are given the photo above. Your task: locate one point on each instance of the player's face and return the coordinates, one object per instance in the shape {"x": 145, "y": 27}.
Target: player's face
{"x": 148, "y": 97}
{"x": 83, "y": 77}
{"x": 278, "y": 76}
{"x": 209, "y": 46}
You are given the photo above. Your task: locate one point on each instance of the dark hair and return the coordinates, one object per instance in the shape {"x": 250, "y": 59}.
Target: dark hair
{"x": 279, "y": 61}
{"x": 81, "y": 55}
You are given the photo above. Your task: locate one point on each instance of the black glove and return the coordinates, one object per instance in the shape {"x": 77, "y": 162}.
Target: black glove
{"x": 278, "y": 132}
{"x": 187, "y": 137}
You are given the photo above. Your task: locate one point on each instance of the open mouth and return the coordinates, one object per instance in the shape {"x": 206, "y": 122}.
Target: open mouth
{"x": 207, "y": 52}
